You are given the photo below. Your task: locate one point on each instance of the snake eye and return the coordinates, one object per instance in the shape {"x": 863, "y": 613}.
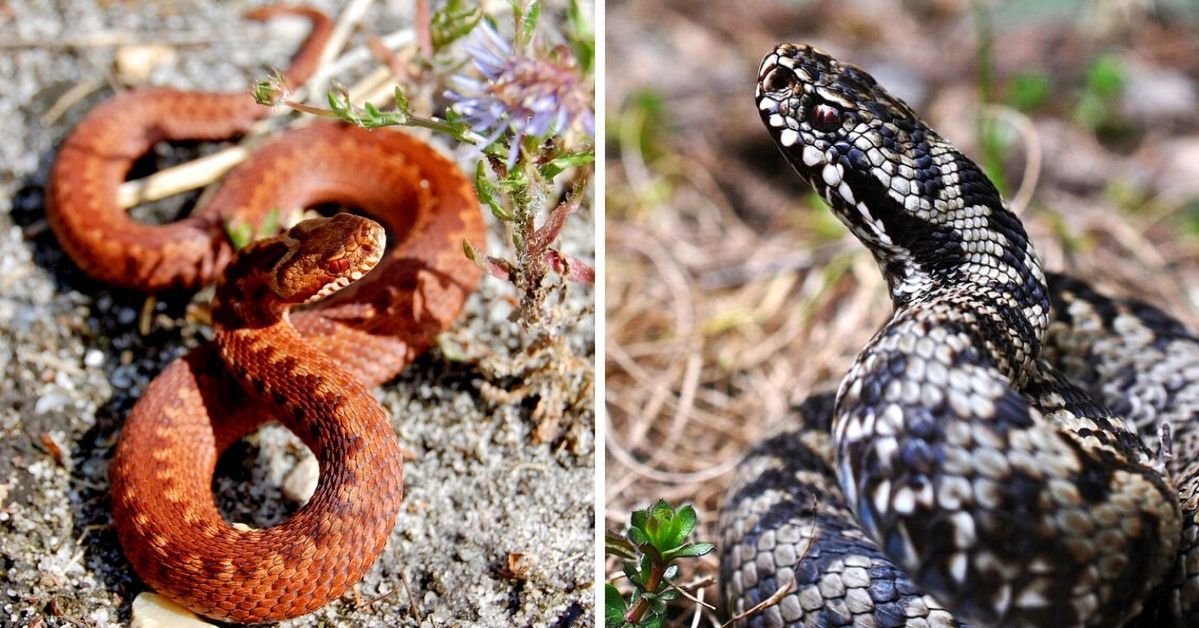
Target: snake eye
{"x": 824, "y": 117}
{"x": 777, "y": 80}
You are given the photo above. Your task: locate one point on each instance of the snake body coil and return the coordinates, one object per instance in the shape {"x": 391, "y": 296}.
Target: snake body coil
{"x": 969, "y": 474}
{"x": 309, "y": 369}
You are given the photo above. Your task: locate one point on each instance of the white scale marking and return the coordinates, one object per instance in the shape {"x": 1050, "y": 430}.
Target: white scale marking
{"x": 812, "y": 156}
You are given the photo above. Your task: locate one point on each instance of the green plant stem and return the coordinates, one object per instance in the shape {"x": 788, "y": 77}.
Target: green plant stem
{"x": 652, "y": 584}
{"x": 392, "y": 118}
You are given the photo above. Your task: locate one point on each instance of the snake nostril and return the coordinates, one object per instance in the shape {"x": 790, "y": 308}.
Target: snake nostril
{"x": 777, "y": 80}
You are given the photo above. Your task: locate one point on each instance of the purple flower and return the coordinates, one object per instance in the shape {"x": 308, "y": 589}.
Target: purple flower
{"x": 530, "y": 96}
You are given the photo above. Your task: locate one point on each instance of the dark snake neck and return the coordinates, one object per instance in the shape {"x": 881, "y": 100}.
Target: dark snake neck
{"x": 932, "y": 219}
{"x": 963, "y": 454}
{"x": 969, "y": 252}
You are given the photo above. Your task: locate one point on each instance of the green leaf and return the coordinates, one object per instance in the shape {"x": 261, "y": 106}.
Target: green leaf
{"x": 264, "y": 93}
{"x": 516, "y": 182}
{"x": 662, "y": 528}
{"x": 581, "y": 38}
{"x": 402, "y": 101}
{"x": 636, "y": 578}
{"x": 1105, "y": 76}
{"x": 528, "y": 24}
{"x": 637, "y": 520}
{"x": 1029, "y": 92}
{"x": 690, "y": 550}
{"x": 452, "y": 22}
{"x": 686, "y": 518}
{"x": 239, "y": 234}
{"x": 619, "y": 546}
{"x": 615, "y": 606}
{"x": 270, "y": 224}
{"x": 555, "y": 166}
{"x": 487, "y": 194}
{"x": 336, "y": 103}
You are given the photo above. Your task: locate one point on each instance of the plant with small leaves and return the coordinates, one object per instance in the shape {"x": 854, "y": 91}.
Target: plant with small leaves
{"x": 656, "y": 538}
{"x": 1098, "y": 105}
{"x": 517, "y": 116}
{"x": 453, "y": 21}
{"x": 525, "y": 105}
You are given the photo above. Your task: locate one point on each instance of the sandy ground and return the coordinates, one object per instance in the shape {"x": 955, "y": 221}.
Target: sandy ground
{"x": 74, "y": 362}
{"x": 732, "y": 294}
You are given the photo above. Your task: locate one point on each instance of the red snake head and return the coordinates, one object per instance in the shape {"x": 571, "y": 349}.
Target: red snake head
{"x": 324, "y": 255}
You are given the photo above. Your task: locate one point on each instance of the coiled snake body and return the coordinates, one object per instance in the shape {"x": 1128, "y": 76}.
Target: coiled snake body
{"x": 308, "y": 369}
{"x": 980, "y": 462}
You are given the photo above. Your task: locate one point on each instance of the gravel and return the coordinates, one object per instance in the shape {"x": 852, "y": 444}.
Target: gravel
{"x": 495, "y": 530}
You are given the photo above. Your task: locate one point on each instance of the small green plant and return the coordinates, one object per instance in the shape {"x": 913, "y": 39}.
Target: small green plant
{"x": 1029, "y": 91}
{"x": 1096, "y": 108}
{"x": 656, "y": 538}
{"x": 241, "y": 233}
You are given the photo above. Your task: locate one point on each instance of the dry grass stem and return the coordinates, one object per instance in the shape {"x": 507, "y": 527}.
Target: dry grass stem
{"x": 375, "y": 87}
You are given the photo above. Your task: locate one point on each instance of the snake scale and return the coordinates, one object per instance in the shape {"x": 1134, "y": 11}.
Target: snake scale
{"x": 1011, "y": 448}
{"x": 309, "y": 369}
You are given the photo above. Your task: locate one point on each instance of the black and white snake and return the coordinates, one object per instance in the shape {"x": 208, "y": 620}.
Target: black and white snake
{"x": 1000, "y": 452}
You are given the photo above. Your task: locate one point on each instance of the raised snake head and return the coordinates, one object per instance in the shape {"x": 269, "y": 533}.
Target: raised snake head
{"x": 926, "y": 211}
{"x": 325, "y": 255}
{"x": 309, "y": 262}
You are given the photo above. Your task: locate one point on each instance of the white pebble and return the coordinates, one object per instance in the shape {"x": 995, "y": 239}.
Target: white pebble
{"x": 300, "y": 483}
{"x": 151, "y": 610}
{"x": 93, "y": 358}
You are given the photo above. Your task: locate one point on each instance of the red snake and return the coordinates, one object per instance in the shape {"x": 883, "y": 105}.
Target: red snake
{"x": 310, "y": 369}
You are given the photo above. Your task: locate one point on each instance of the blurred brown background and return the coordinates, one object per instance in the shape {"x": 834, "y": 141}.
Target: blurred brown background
{"x": 733, "y": 293}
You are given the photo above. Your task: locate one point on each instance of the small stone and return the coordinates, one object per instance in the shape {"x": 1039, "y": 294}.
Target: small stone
{"x": 51, "y": 401}
{"x": 135, "y": 63}
{"x": 93, "y": 358}
{"x": 151, "y": 610}
{"x": 300, "y": 483}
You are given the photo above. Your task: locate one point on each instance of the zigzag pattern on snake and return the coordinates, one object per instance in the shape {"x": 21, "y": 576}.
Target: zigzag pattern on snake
{"x": 995, "y": 454}
{"x": 309, "y": 369}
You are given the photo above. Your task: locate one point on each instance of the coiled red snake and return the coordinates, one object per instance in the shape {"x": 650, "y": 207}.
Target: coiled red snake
{"x": 310, "y": 370}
